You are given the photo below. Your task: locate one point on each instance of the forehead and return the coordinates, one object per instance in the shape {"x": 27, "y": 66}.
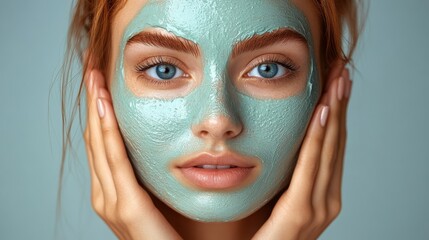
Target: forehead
{"x": 236, "y": 15}
{"x": 214, "y": 21}
{"x": 224, "y": 14}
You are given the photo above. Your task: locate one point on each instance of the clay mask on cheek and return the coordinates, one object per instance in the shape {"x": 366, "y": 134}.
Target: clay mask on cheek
{"x": 157, "y": 131}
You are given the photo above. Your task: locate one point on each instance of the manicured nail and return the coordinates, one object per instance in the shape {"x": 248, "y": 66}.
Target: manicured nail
{"x": 340, "y": 92}
{"x": 348, "y": 88}
{"x": 324, "y": 115}
{"x": 100, "y": 108}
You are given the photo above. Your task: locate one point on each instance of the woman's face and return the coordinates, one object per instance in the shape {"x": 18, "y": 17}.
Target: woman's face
{"x": 213, "y": 98}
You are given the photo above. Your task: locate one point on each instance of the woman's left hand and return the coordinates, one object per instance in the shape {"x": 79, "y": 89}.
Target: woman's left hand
{"x": 313, "y": 199}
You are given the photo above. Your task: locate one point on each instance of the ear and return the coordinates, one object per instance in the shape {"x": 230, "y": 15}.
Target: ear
{"x": 334, "y": 72}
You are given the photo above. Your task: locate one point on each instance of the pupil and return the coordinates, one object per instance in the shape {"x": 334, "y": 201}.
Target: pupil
{"x": 268, "y": 70}
{"x": 165, "y": 71}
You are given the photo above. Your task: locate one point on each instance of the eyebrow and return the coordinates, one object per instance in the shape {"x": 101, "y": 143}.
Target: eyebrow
{"x": 267, "y": 39}
{"x": 165, "y": 41}
{"x": 183, "y": 45}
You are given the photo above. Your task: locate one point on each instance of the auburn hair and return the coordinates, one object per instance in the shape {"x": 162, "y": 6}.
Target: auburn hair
{"x": 89, "y": 37}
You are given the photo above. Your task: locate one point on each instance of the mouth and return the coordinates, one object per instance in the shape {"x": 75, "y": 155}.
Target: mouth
{"x": 217, "y": 172}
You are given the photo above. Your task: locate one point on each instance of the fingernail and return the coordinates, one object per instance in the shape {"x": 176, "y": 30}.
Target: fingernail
{"x": 340, "y": 92}
{"x": 348, "y": 88}
{"x": 324, "y": 115}
{"x": 100, "y": 108}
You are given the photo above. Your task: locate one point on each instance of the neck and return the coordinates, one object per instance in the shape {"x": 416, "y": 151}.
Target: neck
{"x": 190, "y": 229}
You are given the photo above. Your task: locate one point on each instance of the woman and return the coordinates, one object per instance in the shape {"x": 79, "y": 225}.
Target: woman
{"x": 198, "y": 111}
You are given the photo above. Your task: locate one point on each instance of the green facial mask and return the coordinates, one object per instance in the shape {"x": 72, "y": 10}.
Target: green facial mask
{"x": 157, "y": 131}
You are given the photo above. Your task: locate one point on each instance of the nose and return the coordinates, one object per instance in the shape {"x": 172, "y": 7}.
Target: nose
{"x": 217, "y": 127}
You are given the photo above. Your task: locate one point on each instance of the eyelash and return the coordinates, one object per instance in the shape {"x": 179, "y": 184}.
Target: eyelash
{"x": 283, "y": 61}
{"x": 152, "y": 62}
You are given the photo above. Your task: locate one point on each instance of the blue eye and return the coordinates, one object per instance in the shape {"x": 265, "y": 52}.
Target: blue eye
{"x": 268, "y": 70}
{"x": 164, "y": 71}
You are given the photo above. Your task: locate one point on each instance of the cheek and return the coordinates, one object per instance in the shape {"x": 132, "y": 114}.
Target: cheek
{"x": 151, "y": 127}
{"x": 274, "y": 132}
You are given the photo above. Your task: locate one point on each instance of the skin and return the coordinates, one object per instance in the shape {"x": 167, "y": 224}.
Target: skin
{"x": 311, "y": 202}
{"x": 267, "y": 118}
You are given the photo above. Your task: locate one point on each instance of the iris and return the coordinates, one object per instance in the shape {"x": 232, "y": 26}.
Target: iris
{"x": 165, "y": 71}
{"x": 268, "y": 70}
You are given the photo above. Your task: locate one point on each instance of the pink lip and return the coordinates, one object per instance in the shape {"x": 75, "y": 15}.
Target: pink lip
{"x": 222, "y": 171}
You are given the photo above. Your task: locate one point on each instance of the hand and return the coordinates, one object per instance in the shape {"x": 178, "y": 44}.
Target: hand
{"x": 313, "y": 199}
{"x": 117, "y": 197}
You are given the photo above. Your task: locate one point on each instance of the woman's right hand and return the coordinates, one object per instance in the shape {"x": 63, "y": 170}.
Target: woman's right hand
{"x": 116, "y": 195}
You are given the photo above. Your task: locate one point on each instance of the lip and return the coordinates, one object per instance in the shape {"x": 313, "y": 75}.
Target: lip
{"x": 227, "y": 170}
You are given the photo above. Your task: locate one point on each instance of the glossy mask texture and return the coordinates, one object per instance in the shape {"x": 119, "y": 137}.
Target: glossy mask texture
{"x": 157, "y": 131}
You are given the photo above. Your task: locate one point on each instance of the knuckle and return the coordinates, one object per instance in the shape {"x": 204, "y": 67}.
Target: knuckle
{"x": 331, "y": 164}
{"x": 112, "y": 161}
{"x": 107, "y": 130}
{"x": 111, "y": 156}
{"x": 335, "y": 207}
{"x": 319, "y": 138}
{"x": 97, "y": 205}
{"x": 111, "y": 214}
{"x": 304, "y": 219}
{"x": 331, "y": 154}
{"x": 321, "y": 218}
{"x": 126, "y": 214}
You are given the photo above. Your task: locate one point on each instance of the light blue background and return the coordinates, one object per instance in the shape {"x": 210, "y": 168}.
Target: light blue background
{"x": 386, "y": 175}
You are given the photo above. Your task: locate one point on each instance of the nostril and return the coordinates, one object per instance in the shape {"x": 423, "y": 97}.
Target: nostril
{"x": 204, "y": 133}
{"x": 217, "y": 128}
{"x": 229, "y": 133}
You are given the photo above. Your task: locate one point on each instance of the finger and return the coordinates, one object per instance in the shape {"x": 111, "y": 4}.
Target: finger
{"x": 300, "y": 189}
{"x": 334, "y": 192}
{"x": 132, "y": 198}
{"x": 338, "y": 171}
{"x": 328, "y": 158}
{"x": 97, "y": 199}
{"x": 330, "y": 147}
{"x": 117, "y": 158}
{"x": 97, "y": 195}
{"x": 336, "y": 70}
{"x": 101, "y": 167}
